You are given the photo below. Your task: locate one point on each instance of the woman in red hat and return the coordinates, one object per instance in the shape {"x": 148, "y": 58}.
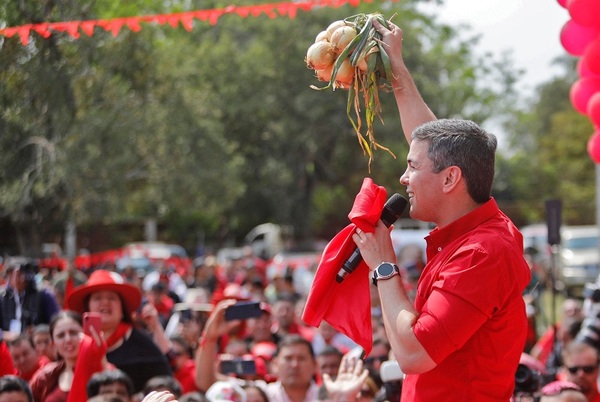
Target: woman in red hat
{"x": 129, "y": 348}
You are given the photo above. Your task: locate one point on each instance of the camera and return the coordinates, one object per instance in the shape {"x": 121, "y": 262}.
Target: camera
{"x": 527, "y": 380}
{"x": 591, "y": 291}
{"x": 590, "y": 331}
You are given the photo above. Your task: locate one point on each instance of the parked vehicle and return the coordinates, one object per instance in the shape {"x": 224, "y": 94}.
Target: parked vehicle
{"x": 576, "y": 261}
{"x": 580, "y": 256}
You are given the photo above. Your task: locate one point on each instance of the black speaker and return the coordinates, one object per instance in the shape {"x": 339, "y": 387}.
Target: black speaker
{"x": 553, "y": 220}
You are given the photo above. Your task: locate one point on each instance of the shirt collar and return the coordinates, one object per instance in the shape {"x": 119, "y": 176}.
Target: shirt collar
{"x": 440, "y": 237}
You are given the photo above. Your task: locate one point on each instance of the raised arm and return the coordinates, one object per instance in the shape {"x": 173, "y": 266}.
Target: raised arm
{"x": 411, "y": 106}
{"x": 216, "y": 326}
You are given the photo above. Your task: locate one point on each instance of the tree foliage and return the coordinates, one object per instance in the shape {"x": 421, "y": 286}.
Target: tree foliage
{"x": 216, "y": 128}
{"x": 548, "y": 156}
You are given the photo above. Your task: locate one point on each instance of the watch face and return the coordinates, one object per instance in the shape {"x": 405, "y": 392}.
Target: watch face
{"x": 385, "y": 269}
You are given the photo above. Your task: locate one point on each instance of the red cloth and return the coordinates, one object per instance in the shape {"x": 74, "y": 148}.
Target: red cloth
{"x": 119, "y": 333}
{"x": 186, "y": 376}
{"x": 347, "y": 305}
{"x": 6, "y": 363}
{"x": 41, "y": 362}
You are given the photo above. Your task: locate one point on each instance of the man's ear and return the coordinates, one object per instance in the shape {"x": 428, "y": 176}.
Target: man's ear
{"x": 452, "y": 177}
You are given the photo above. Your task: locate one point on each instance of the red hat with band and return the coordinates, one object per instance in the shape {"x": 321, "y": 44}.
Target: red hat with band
{"x": 102, "y": 280}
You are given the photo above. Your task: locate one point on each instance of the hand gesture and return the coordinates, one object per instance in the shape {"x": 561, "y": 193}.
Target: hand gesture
{"x": 349, "y": 381}
{"x": 216, "y": 325}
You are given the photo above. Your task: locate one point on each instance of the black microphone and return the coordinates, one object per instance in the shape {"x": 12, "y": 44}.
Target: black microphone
{"x": 392, "y": 210}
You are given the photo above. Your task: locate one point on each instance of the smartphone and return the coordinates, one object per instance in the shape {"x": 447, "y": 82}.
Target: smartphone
{"x": 92, "y": 320}
{"x": 243, "y": 311}
{"x": 239, "y": 367}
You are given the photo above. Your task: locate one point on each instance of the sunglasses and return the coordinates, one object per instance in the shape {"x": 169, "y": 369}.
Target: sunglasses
{"x": 380, "y": 359}
{"x": 586, "y": 369}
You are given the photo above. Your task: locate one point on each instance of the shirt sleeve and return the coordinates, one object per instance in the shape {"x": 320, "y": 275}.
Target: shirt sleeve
{"x": 440, "y": 331}
{"x": 469, "y": 289}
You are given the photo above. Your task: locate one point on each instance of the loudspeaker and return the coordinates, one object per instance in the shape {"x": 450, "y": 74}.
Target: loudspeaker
{"x": 553, "y": 220}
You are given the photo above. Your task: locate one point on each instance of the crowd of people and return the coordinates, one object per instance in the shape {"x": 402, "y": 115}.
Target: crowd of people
{"x": 161, "y": 336}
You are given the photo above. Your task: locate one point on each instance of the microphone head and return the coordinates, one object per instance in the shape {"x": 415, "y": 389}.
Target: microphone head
{"x": 393, "y": 208}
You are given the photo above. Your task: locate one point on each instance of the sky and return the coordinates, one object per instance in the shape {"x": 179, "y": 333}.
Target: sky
{"x": 530, "y": 29}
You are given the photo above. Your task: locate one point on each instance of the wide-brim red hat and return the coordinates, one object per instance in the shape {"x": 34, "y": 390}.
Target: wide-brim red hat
{"x": 102, "y": 280}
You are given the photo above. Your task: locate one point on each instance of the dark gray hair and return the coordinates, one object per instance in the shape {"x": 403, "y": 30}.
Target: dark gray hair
{"x": 12, "y": 383}
{"x": 462, "y": 143}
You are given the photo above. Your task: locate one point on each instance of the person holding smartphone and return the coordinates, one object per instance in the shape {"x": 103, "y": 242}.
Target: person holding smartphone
{"x": 129, "y": 348}
{"x": 65, "y": 380}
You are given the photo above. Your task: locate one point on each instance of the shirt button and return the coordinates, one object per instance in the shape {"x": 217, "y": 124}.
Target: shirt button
{"x": 439, "y": 249}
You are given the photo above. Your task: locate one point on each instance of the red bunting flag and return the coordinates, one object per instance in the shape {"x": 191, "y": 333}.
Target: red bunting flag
{"x": 272, "y": 10}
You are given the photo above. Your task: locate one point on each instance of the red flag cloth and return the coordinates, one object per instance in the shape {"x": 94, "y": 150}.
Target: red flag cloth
{"x": 347, "y": 305}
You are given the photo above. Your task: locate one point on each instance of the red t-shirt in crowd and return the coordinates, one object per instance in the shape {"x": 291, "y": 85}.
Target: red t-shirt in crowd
{"x": 6, "y": 363}
{"x": 186, "y": 376}
{"x": 472, "y": 320}
{"x": 42, "y": 361}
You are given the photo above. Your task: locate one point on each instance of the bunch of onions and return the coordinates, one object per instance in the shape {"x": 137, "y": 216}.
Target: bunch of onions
{"x": 349, "y": 54}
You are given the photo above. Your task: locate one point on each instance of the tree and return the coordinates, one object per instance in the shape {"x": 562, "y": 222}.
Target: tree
{"x": 216, "y": 127}
{"x": 548, "y": 157}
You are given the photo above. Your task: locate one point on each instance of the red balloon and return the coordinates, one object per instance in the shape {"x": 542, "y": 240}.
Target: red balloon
{"x": 581, "y": 92}
{"x": 593, "y": 108}
{"x": 584, "y": 70}
{"x": 593, "y": 146}
{"x": 592, "y": 56}
{"x": 563, "y": 3}
{"x": 584, "y": 12}
{"x": 575, "y": 37}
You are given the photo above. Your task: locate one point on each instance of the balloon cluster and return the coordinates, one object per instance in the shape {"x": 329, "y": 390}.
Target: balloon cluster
{"x": 580, "y": 36}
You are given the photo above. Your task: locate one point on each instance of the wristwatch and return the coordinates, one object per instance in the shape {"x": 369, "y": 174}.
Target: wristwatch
{"x": 385, "y": 270}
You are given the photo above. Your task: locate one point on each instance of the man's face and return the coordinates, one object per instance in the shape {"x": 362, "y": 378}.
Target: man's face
{"x": 24, "y": 357}
{"x": 378, "y": 355}
{"x": 284, "y": 313}
{"x": 260, "y": 328}
{"x": 295, "y": 366}
{"x": 43, "y": 344}
{"x": 581, "y": 368}
{"x": 422, "y": 185}
{"x": 14, "y": 396}
{"x": 180, "y": 356}
{"x": 20, "y": 280}
{"x": 329, "y": 364}
{"x": 114, "y": 390}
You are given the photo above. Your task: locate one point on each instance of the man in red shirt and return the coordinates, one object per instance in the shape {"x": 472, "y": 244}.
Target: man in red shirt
{"x": 25, "y": 358}
{"x": 463, "y": 337}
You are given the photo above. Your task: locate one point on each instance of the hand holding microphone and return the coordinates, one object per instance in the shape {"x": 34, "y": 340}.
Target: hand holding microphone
{"x": 392, "y": 210}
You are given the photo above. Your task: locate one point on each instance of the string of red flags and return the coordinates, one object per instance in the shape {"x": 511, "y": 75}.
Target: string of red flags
{"x": 185, "y": 19}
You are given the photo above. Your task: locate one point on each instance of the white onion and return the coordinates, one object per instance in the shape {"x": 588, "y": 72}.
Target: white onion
{"x": 341, "y": 37}
{"x": 320, "y": 55}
